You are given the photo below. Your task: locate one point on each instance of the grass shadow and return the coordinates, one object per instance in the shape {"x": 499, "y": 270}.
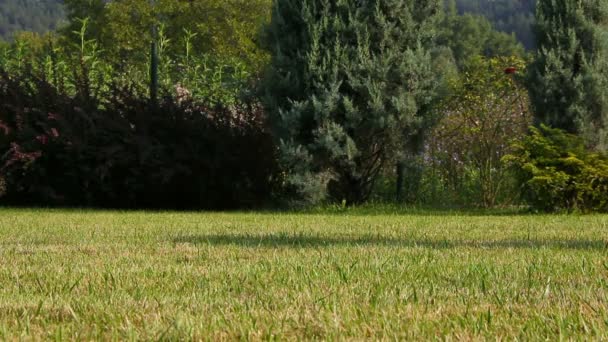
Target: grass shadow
{"x": 309, "y": 241}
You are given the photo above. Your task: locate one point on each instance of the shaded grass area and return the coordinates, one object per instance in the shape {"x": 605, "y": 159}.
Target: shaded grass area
{"x": 303, "y": 241}
{"x": 69, "y": 274}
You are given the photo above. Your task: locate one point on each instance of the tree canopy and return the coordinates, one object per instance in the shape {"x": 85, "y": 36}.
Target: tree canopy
{"x": 510, "y": 16}
{"x": 348, "y": 85}
{"x": 29, "y": 15}
{"x": 569, "y": 78}
{"x": 225, "y": 28}
{"x": 469, "y": 35}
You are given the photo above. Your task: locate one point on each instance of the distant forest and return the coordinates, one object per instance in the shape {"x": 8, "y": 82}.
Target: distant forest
{"x": 29, "y": 15}
{"x": 512, "y": 16}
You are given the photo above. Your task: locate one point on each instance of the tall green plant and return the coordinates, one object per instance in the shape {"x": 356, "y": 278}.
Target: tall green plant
{"x": 346, "y": 88}
{"x": 568, "y": 82}
{"x": 91, "y": 75}
{"x": 224, "y": 28}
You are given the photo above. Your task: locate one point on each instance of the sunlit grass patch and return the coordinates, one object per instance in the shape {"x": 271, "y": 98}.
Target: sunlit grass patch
{"x": 120, "y": 275}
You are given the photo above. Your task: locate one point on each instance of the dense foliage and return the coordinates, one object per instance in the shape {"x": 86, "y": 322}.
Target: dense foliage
{"x": 510, "y": 16}
{"x": 486, "y": 110}
{"x": 348, "y": 85}
{"x": 557, "y": 172}
{"x": 225, "y": 29}
{"x": 29, "y": 15}
{"x": 229, "y": 104}
{"x": 71, "y": 134}
{"x": 469, "y": 36}
{"x": 569, "y": 78}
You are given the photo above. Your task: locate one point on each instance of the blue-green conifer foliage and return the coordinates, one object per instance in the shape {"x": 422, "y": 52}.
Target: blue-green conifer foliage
{"x": 348, "y": 85}
{"x": 569, "y": 79}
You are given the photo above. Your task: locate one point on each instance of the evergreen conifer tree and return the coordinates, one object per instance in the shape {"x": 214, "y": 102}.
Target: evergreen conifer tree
{"x": 347, "y": 87}
{"x": 569, "y": 80}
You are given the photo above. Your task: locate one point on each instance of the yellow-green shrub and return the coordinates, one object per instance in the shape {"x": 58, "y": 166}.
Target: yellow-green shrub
{"x": 557, "y": 172}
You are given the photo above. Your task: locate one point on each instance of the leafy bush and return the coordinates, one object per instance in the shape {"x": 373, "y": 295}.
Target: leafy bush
{"x": 63, "y": 149}
{"x": 82, "y": 67}
{"x": 485, "y": 110}
{"x": 557, "y": 172}
{"x": 79, "y": 129}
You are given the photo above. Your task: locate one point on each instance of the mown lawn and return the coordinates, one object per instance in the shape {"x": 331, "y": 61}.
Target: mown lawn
{"x": 111, "y": 275}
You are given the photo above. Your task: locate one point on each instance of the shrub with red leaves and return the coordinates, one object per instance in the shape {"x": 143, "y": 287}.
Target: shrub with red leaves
{"x": 58, "y": 149}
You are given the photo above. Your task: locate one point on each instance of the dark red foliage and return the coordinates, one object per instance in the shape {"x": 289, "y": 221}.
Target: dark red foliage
{"x": 57, "y": 149}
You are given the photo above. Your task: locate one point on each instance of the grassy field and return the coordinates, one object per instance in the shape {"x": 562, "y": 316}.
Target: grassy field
{"x": 111, "y": 275}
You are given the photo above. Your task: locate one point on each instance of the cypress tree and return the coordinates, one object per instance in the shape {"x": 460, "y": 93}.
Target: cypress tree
{"x": 568, "y": 82}
{"x": 346, "y": 89}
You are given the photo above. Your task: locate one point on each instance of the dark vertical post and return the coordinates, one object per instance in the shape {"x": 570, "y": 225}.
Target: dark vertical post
{"x": 400, "y": 179}
{"x": 154, "y": 65}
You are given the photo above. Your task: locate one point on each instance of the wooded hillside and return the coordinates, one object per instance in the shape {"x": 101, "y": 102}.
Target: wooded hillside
{"x": 512, "y": 16}
{"x": 29, "y": 15}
